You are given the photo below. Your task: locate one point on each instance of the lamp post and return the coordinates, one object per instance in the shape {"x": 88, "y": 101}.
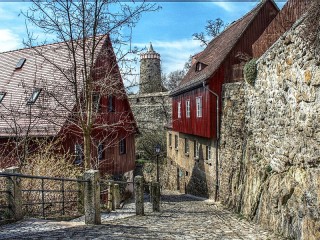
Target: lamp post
{"x": 157, "y": 150}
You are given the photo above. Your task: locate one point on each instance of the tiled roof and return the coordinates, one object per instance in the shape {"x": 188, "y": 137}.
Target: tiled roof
{"x": 46, "y": 116}
{"x": 216, "y": 51}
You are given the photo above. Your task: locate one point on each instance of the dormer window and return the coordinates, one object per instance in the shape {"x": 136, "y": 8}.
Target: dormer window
{"x": 21, "y": 63}
{"x": 2, "y": 95}
{"x": 199, "y": 66}
{"x": 33, "y": 98}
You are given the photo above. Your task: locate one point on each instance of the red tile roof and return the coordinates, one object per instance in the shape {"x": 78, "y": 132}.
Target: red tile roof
{"x": 46, "y": 116}
{"x": 217, "y": 50}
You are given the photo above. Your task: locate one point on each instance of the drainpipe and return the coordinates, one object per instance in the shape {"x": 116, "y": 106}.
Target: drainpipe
{"x": 216, "y": 197}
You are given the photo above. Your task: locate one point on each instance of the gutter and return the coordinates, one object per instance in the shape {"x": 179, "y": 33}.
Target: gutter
{"x": 216, "y": 197}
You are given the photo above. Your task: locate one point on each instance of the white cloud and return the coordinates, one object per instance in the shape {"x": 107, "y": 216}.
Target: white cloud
{"x": 227, "y": 6}
{"x": 174, "y": 54}
{"x": 9, "y": 40}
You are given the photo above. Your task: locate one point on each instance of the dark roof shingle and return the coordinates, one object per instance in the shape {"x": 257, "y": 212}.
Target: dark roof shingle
{"x": 216, "y": 51}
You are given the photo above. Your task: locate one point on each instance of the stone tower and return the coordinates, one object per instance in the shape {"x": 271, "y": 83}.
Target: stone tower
{"x": 150, "y": 72}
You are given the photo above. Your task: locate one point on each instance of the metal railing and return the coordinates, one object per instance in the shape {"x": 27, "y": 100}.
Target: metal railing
{"x": 38, "y": 200}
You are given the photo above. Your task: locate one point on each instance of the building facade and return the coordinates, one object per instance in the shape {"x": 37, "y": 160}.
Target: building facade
{"x": 196, "y": 103}
{"x": 38, "y": 102}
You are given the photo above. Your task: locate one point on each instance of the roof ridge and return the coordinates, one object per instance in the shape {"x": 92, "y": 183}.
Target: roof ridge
{"x": 259, "y": 5}
{"x": 47, "y": 44}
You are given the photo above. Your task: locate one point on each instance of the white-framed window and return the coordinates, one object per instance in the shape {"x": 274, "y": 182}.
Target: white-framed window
{"x": 196, "y": 149}
{"x": 188, "y": 108}
{"x": 199, "y": 106}
{"x": 186, "y": 146}
{"x": 179, "y": 109}
{"x": 209, "y": 153}
{"x": 176, "y": 142}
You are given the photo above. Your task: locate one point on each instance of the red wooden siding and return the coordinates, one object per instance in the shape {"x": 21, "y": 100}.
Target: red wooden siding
{"x": 290, "y": 13}
{"x": 204, "y": 126}
{"x": 118, "y": 124}
{"x": 245, "y": 42}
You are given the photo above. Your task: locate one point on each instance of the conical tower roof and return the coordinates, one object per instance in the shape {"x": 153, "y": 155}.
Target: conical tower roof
{"x": 150, "y": 54}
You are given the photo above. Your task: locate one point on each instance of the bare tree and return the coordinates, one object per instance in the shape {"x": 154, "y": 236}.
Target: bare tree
{"x": 172, "y": 80}
{"x": 212, "y": 30}
{"x": 87, "y": 62}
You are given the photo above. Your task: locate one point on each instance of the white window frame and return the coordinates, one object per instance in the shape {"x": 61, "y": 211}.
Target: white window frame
{"x": 188, "y": 108}
{"x": 176, "y": 142}
{"x": 196, "y": 149}
{"x": 209, "y": 152}
{"x": 199, "y": 106}
{"x": 179, "y": 109}
{"x": 186, "y": 146}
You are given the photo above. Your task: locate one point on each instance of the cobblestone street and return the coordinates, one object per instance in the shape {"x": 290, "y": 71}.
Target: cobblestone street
{"x": 182, "y": 217}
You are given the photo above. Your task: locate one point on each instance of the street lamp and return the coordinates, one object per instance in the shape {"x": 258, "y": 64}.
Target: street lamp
{"x": 158, "y": 149}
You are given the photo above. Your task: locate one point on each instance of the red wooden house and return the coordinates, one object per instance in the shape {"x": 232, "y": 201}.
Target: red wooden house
{"x": 193, "y": 137}
{"x": 289, "y": 14}
{"x": 38, "y": 101}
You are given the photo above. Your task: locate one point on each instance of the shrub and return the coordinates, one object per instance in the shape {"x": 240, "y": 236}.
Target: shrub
{"x": 250, "y": 71}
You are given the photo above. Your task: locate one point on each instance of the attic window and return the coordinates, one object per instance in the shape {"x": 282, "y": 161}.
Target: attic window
{"x": 199, "y": 67}
{"x": 33, "y": 98}
{"x": 21, "y": 63}
{"x": 2, "y": 95}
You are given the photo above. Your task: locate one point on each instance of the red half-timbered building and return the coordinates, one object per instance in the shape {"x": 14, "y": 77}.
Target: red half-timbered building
{"x": 38, "y": 102}
{"x": 193, "y": 136}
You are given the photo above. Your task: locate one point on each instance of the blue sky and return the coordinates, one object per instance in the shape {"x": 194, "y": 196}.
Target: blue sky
{"x": 170, "y": 29}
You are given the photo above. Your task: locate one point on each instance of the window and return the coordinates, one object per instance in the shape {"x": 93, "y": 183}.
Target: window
{"x": 95, "y": 102}
{"x": 196, "y": 149}
{"x": 188, "y": 108}
{"x": 179, "y": 109}
{"x": 100, "y": 151}
{"x": 20, "y": 63}
{"x": 2, "y": 95}
{"x": 34, "y": 96}
{"x": 208, "y": 153}
{"x": 186, "y": 145}
{"x": 176, "y": 142}
{"x": 198, "y": 66}
{"x": 199, "y": 106}
{"x": 170, "y": 140}
{"x": 111, "y": 103}
{"x": 122, "y": 146}
{"x": 78, "y": 152}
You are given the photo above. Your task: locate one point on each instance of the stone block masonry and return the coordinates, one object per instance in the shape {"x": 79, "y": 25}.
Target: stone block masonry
{"x": 270, "y": 140}
{"x": 151, "y": 110}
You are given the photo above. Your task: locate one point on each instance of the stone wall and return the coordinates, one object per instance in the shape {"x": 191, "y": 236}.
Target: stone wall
{"x": 151, "y": 110}
{"x": 270, "y": 150}
{"x": 193, "y": 174}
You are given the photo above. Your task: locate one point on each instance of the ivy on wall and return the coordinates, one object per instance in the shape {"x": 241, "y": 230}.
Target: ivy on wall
{"x": 250, "y": 71}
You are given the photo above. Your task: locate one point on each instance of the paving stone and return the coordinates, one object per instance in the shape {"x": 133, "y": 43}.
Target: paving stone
{"x": 181, "y": 217}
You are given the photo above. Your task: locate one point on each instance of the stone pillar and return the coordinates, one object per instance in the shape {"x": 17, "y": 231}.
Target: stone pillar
{"x": 110, "y": 196}
{"x": 15, "y": 194}
{"x": 116, "y": 196}
{"x": 138, "y": 190}
{"x": 80, "y": 195}
{"x": 92, "y": 197}
{"x": 155, "y": 193}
